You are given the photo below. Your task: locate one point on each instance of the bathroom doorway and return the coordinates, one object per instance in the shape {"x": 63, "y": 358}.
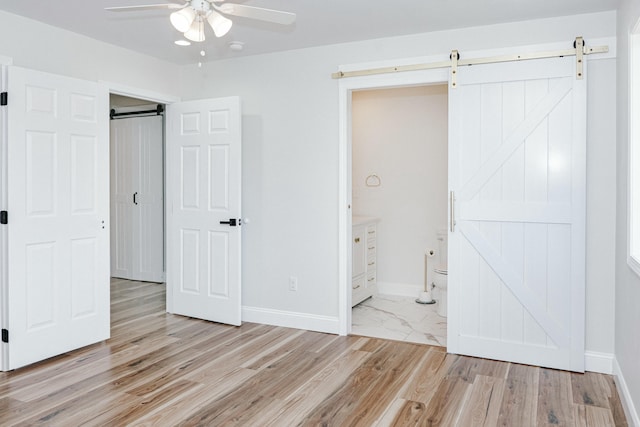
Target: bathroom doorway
{"x": 399, "y": 212}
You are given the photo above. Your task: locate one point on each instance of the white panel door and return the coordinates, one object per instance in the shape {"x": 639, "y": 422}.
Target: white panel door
{"x": 517, "y": 255}
{"x": 203, "y": 202}
{"x": 137, "y": 206}
{"x": 58, "y": 200}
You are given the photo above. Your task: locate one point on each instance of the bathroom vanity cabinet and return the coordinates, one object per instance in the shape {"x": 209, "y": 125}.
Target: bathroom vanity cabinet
{"x": 363, "y": 244}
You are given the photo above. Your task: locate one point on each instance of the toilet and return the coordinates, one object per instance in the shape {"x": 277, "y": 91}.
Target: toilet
{"x": 440, "y": 275}
{"x": 440, "y": 281}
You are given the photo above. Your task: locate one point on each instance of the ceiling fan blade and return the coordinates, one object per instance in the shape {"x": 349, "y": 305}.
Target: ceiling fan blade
{"x": 269, "y": 15}
{"x": 145, "y": 7}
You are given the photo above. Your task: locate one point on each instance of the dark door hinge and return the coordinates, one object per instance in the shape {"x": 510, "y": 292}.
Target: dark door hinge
{"x": 5, "y": 335}
{"x": 4, "y": 217}
{"x": 3, "y": 98}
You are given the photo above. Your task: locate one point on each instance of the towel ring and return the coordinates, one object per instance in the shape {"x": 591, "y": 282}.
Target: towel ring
{"x": 373, "y": 180}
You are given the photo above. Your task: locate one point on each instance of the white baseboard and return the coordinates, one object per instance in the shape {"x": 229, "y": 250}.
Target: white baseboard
{"x": 291, "y": 319}
{"x": 625, "y": 396}
{"x": 400, "y": 289}
{"x": 601, "y": 363}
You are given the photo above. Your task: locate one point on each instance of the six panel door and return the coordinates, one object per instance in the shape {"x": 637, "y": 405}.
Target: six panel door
{"x": 58, "y": 200}
{"x": 203, "y": 201}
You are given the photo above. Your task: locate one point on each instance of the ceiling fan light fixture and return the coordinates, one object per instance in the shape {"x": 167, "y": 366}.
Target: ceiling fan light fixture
{"x": 195, "y": 33}
{"x": 220, "y": 24}
{"x": 183, "y": 19}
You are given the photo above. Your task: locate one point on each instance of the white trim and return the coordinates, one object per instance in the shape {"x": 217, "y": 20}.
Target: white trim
{"x": 630, "y": 410}
{"x": 399, "y": 289}
{"x": 290, "y": 319}
{"x": 6, "y": 60}
{"x": 601, "y": 363}
{"x": 633, "y": 157}
{"x": 148, "y": 95}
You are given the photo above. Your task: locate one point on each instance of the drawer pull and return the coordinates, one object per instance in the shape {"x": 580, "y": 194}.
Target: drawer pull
{"x": 357, "y": 240}
{"x": 373, "y": 247}
{"x": 372, "y": 232}
{"x": 371, "y": 263}
{"x": 357, "y": 287}
{"x": 371, "y": 279}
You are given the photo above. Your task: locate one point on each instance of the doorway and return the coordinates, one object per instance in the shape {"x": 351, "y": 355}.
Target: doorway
{"x": 399, "y": 190}
{"x": 347, "y": 87}
{"x": 137, "y": 189}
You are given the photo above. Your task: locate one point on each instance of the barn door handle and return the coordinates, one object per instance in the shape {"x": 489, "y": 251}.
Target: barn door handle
{"x": 232, "y": 222}
{"x": 134, "y": 198}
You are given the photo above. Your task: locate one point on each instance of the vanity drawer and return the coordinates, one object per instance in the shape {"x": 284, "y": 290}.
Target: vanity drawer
{"x": 371, "y": 232}
{"x": 371, "y": 262}
{"x": 371, "y": 279}
{"x": 358, "y": 282}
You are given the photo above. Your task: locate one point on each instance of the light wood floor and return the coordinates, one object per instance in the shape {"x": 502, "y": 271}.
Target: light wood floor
{"x": 160, "y": 369}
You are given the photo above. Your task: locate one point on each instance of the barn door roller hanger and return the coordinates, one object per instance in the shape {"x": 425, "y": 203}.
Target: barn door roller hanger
{"x": 579, "y": 50}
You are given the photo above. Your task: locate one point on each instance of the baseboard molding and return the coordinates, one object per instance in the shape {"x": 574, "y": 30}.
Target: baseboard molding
{"x": 627, "y": 402}
{"x": 601, "y": 363}
{"x": 400, "y": 289}
{"x": 291, "y": 319}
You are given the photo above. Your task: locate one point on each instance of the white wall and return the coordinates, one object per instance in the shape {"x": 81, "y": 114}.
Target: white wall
{"x": 400, "y": 134}
{"x": 41, "y": 47}
{"x": 290, "y": 160}
{"x": 627, "y": 312}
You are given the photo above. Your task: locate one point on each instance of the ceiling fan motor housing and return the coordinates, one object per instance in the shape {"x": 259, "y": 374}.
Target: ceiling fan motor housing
{"x": 201, "y": 5}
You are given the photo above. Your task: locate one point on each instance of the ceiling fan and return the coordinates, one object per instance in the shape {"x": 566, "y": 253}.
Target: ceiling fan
{"x": 189, "y": 17}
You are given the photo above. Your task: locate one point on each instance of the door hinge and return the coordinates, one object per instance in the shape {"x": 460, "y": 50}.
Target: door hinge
{"x": 5, "y": 335}
{"x": 3, "y": 98}
{"x": 4, "y": 217}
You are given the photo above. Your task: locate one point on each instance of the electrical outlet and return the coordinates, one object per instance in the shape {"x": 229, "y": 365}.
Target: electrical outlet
{"x": 293, "y": 283}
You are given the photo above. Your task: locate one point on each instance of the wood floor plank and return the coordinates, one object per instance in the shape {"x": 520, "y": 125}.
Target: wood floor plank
{"x": 251, "y": 398}
{"x": 413, "y": 414}
{"x": 364, "y": 397}
{"x": 483, "y": 406}
{"x": 193, "y": 401}
{"x": 555, "y": 399}
{"x": 590, "y": 389}
{"x": 294, "y": 407}
{"x": 520, "y": 398}
{"x": 592, "y": 416}
{"x": 445, "y": 406}
{"x": 159, "y": 369}
{"x": 431, "y": 370}
{"x": 466, "y": 368}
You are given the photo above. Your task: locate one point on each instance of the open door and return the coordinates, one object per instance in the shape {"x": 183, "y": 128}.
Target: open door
{"x": 517, "y": 248}
{"x": 204, "y": 209}
{"x": 58, "y": 216}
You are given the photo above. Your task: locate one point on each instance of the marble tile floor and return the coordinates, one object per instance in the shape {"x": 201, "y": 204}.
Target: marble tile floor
{"x": 399, "y": 318}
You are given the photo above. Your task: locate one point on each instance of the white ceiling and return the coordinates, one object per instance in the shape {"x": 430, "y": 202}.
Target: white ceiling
{"x": 319, "y": 22}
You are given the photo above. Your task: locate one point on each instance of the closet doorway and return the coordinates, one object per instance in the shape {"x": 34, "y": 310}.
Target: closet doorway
{"x": 137, "y": 189}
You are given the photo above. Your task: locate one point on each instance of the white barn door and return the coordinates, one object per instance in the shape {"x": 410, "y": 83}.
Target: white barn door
{"x": 517, "y": 252}
{"x": 58, "y": 203}
{"x": 137, "y": 199}
{"x": 204, "y": 209}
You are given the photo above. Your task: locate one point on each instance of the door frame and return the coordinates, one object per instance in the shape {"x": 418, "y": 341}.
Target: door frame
{"x": 345, "y": 88}
{"x": 154, "y": 98}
